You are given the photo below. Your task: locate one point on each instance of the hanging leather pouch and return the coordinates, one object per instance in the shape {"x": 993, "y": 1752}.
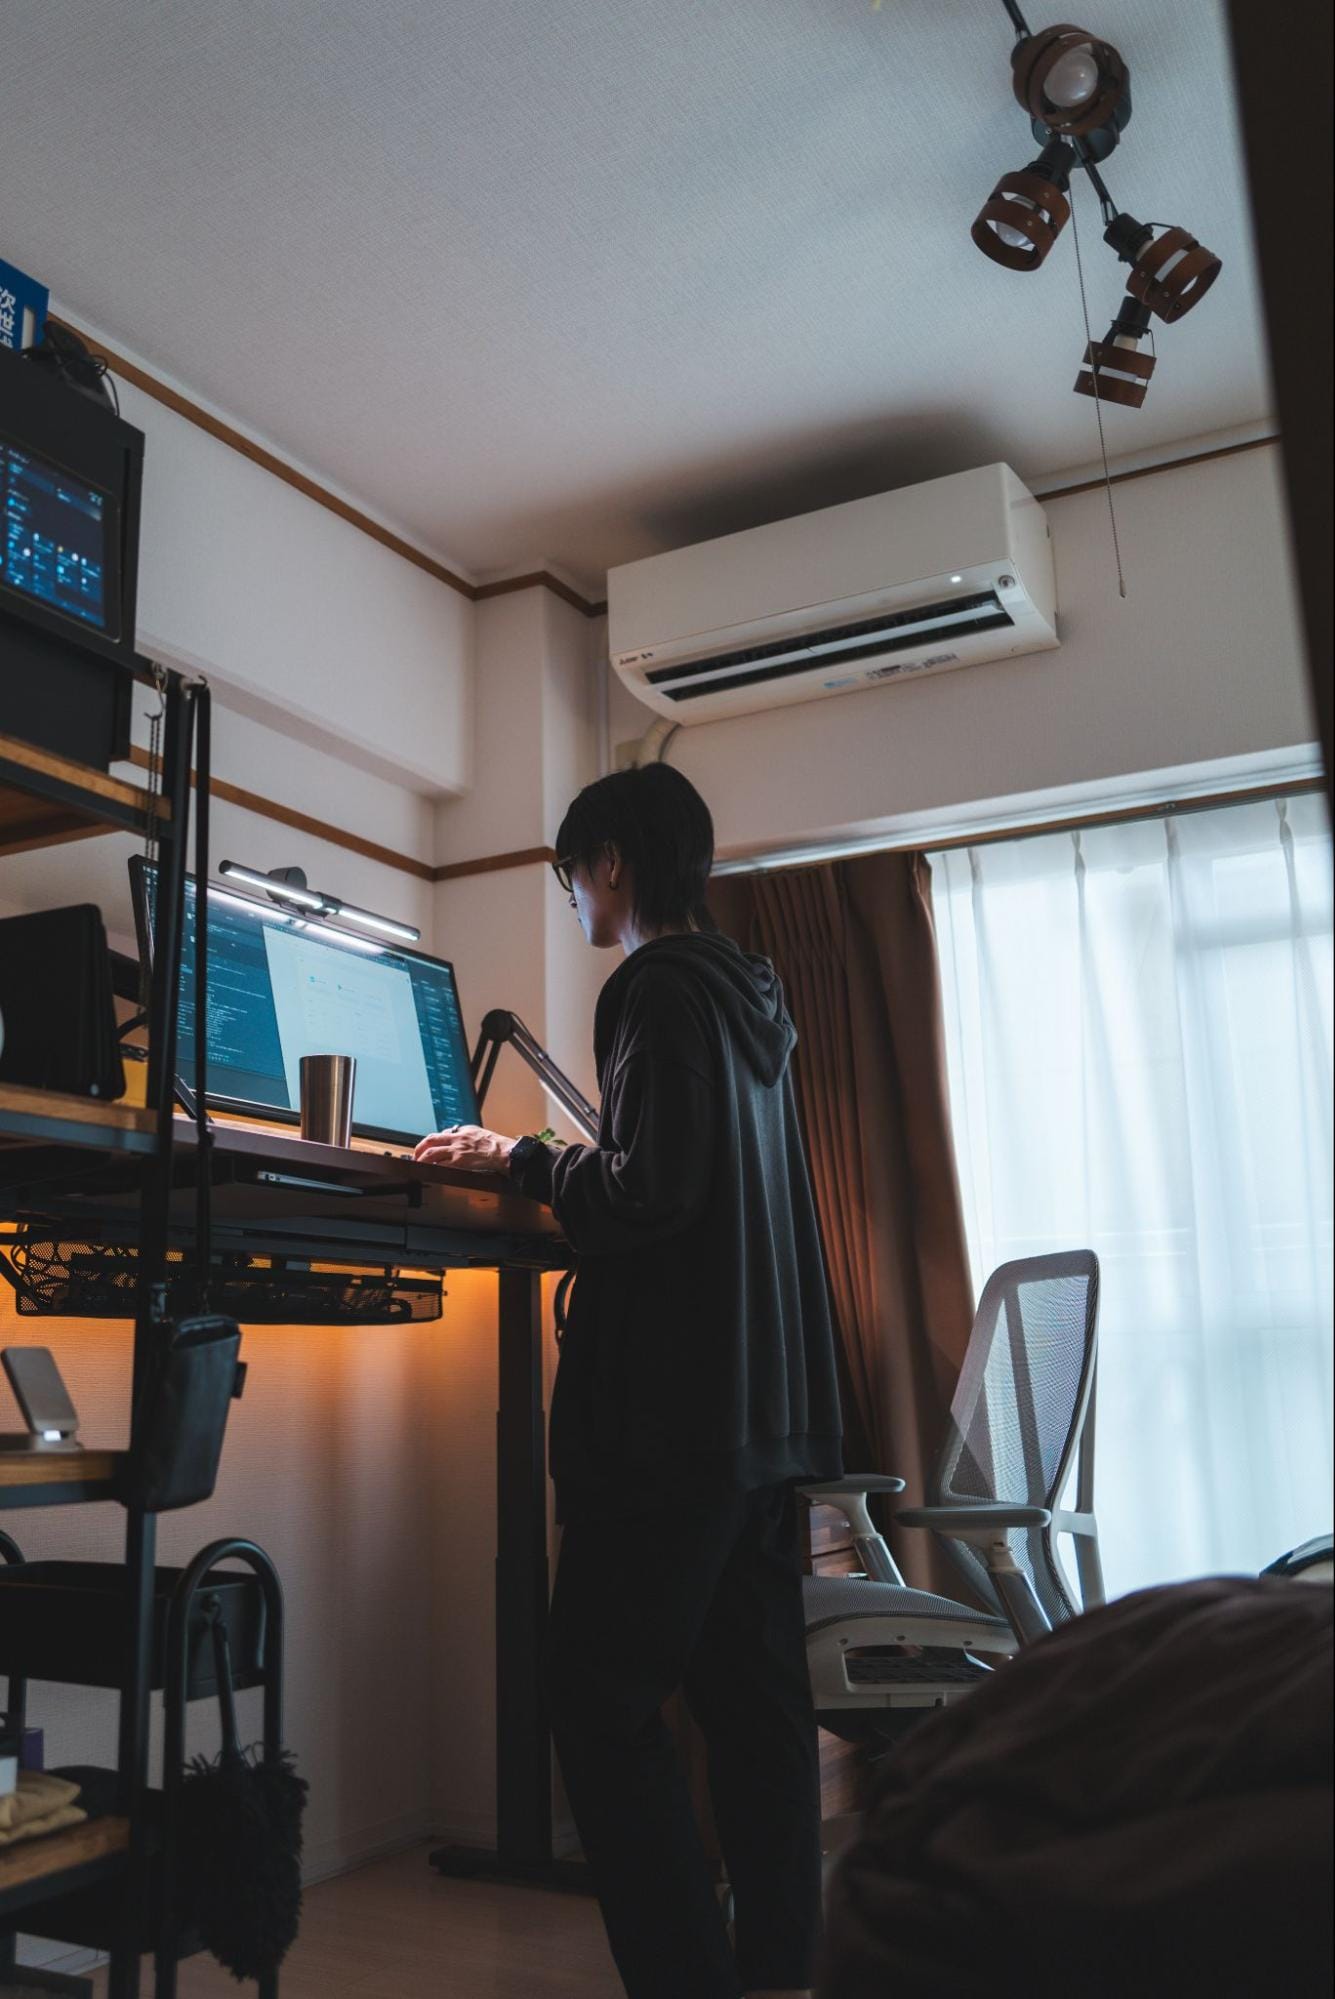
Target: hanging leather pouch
{"x": 195, "y": 1380}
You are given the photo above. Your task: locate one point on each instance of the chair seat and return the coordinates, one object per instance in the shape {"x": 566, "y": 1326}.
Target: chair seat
{"x": 839, "y": 1599}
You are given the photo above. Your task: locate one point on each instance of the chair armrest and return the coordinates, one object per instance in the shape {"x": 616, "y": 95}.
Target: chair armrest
{"x": 853, "y": 1482}
{"x": 985, "y": 1522}
{"x": 966, "y": 1518}
{"x": 848, "y": 1495}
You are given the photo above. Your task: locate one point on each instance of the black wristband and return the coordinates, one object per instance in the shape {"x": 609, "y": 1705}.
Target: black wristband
{"x": 521, "y": 1152}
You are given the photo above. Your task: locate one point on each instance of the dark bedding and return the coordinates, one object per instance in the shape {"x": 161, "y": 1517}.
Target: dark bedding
{"x": 1139, "y": 1805}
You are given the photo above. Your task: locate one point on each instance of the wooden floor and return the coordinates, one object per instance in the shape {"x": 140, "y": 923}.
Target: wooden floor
{"x": 396, "y": 1930}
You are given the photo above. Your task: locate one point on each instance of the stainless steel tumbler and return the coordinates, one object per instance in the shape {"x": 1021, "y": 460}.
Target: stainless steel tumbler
{"x": 327, "y": 1083}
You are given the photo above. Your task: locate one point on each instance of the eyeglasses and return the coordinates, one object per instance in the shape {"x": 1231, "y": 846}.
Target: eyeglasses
{"x": 564, "y": 867}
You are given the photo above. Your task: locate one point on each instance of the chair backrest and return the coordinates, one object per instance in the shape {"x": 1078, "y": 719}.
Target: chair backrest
{"x": 1020, "y": 1407}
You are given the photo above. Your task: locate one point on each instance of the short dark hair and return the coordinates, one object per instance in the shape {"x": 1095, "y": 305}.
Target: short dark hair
{"x": 661, "y": 826}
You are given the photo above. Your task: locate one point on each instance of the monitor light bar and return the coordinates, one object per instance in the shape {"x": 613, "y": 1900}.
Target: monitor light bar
{"x": 287, "y": 886}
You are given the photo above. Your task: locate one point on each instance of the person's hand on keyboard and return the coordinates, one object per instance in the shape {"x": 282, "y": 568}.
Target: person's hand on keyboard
{"x": 468, "y": 1147}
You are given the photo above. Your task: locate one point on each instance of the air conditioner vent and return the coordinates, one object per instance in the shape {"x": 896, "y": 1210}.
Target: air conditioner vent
{"x": 869, "y": 638}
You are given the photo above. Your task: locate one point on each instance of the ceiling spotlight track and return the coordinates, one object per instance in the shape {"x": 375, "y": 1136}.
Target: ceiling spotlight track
{"x": 1076, "y": 89}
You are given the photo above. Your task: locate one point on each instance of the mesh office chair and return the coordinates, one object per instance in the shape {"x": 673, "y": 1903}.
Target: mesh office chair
{"x": 879, "y": 1652}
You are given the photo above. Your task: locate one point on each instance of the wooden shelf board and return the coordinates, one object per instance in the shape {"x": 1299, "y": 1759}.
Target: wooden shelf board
{"x": 30, "y": 1116}
{"x": 44, "y": 1859}
{"x": 46, "y": 799}
{"x": 20, "y": 1469}
{"x": 116, "y": 791}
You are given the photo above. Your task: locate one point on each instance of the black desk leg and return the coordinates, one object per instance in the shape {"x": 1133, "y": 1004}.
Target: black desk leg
{"x": 523, "y": 1744}
{"x": 132, "y": 1757}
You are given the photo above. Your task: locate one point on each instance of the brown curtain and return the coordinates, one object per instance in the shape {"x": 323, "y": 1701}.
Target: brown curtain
{"x": 855, "y": 946}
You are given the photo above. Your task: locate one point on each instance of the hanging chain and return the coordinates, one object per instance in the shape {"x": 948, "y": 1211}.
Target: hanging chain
{"x": 1098, "y": 401}
{"x": 151, "y": 815}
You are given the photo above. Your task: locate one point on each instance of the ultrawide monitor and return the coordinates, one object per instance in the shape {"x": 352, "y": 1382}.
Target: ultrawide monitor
{"x": 282, "y": 986}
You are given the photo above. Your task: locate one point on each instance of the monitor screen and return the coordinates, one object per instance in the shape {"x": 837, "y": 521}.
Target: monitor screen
{"x": 282, "y": 986}
{"x": 57, "y": 533}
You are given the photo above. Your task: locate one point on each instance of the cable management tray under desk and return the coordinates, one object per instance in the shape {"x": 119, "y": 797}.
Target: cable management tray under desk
{"x": 55, "y": 1276}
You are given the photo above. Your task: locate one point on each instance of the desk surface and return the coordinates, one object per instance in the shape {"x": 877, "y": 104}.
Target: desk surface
{"x": 251, "y": 1158}
{"x": 277, "y": 1194}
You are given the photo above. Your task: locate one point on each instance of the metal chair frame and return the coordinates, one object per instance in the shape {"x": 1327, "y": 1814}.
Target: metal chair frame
{"x": 896, "y": 1616}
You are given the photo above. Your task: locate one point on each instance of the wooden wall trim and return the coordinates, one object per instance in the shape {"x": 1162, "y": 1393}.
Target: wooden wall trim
{"x": 526, "y": 857}
{"x": 304, "y": 822}
{"x": 544, "y": 579}
{"x": 1095, "y": 484}
{"x": 269, "y": 461}
{"x": 489, "y": 864}
{"x": 337, "y": 836}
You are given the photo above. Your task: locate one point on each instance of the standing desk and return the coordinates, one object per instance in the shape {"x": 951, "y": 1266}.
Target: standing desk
{"x": 278, "y": 1195}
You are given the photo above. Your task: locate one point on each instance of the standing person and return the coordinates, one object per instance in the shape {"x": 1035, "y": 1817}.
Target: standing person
{"x": 696, "y": 1388}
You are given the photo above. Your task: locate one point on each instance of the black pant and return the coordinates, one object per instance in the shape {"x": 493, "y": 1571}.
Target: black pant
{"x": 706, "y": 1597}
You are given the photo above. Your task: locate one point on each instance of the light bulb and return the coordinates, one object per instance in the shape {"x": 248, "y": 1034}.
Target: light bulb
{"x": 1073, "y": 78}
{"x": 1016, "y": 238}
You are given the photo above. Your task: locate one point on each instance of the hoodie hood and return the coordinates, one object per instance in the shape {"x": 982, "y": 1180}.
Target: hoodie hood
{"x": 744, "y": 987}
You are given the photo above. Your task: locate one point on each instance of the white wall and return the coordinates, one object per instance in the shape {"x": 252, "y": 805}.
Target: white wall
{"x": 1200, "y": 664}
{"x": 297, "y": 614}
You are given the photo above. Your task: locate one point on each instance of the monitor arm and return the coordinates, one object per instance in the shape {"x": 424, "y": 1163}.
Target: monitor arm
{"x": 500, "y": 1026}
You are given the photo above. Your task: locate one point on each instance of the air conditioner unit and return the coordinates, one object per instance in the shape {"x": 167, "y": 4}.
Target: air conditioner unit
{"x": 946, "y": 574}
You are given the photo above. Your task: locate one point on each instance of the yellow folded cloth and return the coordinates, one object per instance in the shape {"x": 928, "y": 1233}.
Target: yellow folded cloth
{"x": 53, "y": 1822}
{"x": 38, "y": 1795}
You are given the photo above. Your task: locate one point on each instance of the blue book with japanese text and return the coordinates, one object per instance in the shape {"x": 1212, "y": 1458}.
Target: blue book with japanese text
{"x": 22, "y": 308}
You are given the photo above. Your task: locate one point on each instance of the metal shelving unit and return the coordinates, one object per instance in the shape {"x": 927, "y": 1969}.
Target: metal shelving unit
{"x": 46, "y": 799}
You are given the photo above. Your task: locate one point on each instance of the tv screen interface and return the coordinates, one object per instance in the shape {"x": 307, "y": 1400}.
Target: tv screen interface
{"x": 56, "y": 536}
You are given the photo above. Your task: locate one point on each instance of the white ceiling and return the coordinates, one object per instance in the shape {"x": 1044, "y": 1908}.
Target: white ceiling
{"x": 575, "y": 280}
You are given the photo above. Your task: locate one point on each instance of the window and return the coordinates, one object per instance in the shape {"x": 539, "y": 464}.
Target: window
{"x": 1138, "y": 1030}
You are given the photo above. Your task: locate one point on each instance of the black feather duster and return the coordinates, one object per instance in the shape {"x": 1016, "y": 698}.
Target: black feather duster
{"x": 240, "y": 1846}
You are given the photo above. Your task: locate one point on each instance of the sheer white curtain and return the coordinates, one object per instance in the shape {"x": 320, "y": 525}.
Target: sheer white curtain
{"x": 1138, "y": 1024}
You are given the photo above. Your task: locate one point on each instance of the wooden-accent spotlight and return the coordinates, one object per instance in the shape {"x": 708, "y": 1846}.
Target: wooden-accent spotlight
{"x": 1172, "y": 273}
{"x": 1114, "y": 369}
{"x": 1068, "y": 80}
{"x": 1026, "y": 212}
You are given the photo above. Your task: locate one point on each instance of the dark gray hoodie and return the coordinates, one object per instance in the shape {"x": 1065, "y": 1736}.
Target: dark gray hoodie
{"x": 699, "y": 1353}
